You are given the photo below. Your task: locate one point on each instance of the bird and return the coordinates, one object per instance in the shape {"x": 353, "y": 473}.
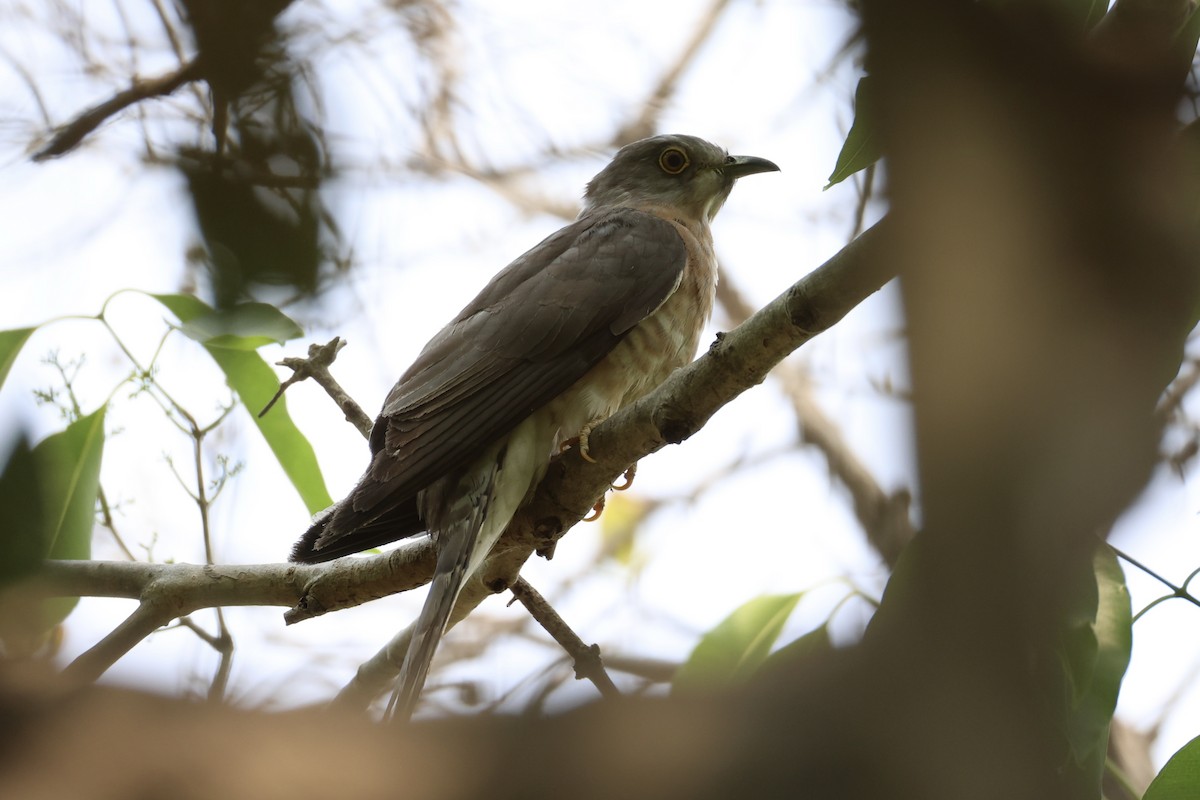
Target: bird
{"x": 587, "y": 321}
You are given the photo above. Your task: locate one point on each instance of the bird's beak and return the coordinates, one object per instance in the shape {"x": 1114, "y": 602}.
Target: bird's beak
{"x": 741, "y": 166}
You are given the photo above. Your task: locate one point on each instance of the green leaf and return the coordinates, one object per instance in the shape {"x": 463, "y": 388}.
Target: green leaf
{"x": 248, "y": 326}
{"x": 68, "y": 465}
{"x": 255, "y": 383}
{"x": 1095, "y": 651}
{"x": 1180, "y": 776}
{"x": 734, "y": 650}
{"x": 11, "y": 343}
{"x": 48, "y": 503}
{"x": 861, "y": 148}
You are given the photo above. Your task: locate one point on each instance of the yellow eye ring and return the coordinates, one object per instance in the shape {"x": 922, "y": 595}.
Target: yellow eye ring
{"x": 673, "y": 161}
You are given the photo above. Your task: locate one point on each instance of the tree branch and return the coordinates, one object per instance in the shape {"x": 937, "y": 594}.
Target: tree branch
{"x": 70, "y": 135}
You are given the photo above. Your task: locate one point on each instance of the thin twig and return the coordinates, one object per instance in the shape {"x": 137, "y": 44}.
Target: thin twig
{"x": 588, "y": 663}
{"x": 316, "y": 366}
{"x": 1176, "y": 591}
{"x": 222, "y": 642}
{"x": 107, "y": 520}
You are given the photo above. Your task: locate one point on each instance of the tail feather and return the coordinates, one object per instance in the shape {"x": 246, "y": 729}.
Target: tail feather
{"x": 455, "y": 552}
{"x": 316, "y": 546}
{"x": 456, "y": 544}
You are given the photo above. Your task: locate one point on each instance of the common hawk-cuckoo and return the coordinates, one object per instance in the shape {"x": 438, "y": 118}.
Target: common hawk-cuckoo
{"x": 589, "y": 320}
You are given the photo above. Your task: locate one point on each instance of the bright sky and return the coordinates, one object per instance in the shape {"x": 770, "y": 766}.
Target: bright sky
{"x": 767, "y": 83}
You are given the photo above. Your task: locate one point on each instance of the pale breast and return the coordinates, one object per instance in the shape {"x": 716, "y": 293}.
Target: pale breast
{"x": 657, "y": 346}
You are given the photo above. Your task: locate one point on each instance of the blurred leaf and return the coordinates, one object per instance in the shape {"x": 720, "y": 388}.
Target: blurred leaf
{"x": 257, "y": 199}
{"x": 623, "y": 515}
{"x": 255, "y": 383}
{"x": 1180, "y": 776}
{"x": 24, "y": 619}
{"x": 734, "y": 650}
{"x": 861, "y": 148}
{"x": 247, "y": 326}
{"x": 22, "y": 546}
{"x": 1095, "y": 653}
{"x": 1087, "y": 12}
{"x": 1184, "y": 46}
{"x": 814, "y": 643}
{"x": 11, "y": 343}
{"x": 48, "y": 503}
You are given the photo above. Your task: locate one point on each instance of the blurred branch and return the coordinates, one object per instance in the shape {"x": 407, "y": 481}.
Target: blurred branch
{"x": 650, "y": 669}
{"x": 646, "y": 122}
{"x": 884, "y": 517}
{"x": 68, "y": 137}
{"x": 1185, "y": 381}
{"x": 507, "y": 182}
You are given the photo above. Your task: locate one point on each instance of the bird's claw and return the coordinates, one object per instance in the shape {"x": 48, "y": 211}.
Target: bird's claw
{"x": 596, "y": 511}
{"x": 628, "y": 479}
{"x": 584, "y": 433}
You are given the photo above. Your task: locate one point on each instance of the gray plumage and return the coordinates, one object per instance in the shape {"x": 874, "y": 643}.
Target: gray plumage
{"x": 585, "y": 322}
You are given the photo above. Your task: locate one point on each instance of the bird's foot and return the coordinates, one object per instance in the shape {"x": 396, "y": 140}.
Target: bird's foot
{"x": 584, "y": 433}
{"x": 581, "y": 441}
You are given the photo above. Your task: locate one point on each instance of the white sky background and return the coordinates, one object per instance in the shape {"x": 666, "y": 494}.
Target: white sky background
{"x": 768, "y": 83}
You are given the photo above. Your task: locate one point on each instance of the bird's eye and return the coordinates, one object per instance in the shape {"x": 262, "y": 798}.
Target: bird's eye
{"x": 673, "y": 161}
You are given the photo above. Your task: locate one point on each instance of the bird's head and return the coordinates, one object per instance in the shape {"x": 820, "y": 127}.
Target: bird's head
{"x": 673, "y": 170}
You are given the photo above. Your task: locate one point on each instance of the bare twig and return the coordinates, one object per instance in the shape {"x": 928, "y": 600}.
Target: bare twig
{"x": 316, "y": 366}
{"x": 588, "y": 663}
{"x": 222, "y": 642}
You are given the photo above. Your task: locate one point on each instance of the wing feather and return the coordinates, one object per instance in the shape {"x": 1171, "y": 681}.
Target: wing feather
{"x": 533, "y": 331}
